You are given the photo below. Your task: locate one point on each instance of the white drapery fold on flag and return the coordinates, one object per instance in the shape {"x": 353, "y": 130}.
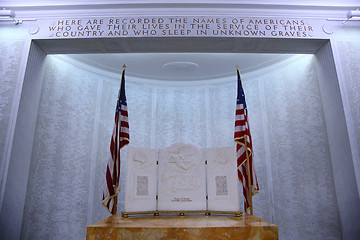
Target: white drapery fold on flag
{"x": 120, "y": 138}
{"x": 244, "y": 154}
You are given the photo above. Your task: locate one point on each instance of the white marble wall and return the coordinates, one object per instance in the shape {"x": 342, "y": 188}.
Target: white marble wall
{"x": 14, "y": 49}
{"x": 349, "y": 58}
{"x": 346, "y": 49}
{"x": 302, "y": 181}
{"x": 74, "y": 125}
{"x": 58, "y": 186}
{"x": 10, "y": 80}
{"x": 11, "y": 54}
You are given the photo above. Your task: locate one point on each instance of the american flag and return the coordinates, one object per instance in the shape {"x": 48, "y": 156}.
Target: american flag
{"x": 120, "y": 138}
{"x": 242, "y": 138}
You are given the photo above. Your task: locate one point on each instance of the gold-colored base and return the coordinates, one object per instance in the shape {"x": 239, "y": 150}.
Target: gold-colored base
{"x": 181, "y": 213}
{"x": 194, "y": 227}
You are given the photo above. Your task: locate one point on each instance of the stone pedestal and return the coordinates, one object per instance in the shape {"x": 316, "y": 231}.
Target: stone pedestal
{"x": 182, "y": 227}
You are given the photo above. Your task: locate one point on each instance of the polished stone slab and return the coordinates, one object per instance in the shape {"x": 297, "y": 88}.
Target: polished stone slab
{"x": 182, "y": 227}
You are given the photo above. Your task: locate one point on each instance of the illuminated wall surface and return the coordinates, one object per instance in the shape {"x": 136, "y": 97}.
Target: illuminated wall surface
{"x": 75, "y": 120}
{"x": 302, "y": 188}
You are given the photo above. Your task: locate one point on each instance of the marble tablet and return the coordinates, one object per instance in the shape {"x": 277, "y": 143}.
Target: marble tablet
{"x": 141, "y": 180}
{"x": 222, "y": 181}
{"x": 182, "y": 179}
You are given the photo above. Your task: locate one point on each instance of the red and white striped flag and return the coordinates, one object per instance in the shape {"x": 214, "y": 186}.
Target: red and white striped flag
{"x": 242, "y": 137}
{"x": 120, "y": 138}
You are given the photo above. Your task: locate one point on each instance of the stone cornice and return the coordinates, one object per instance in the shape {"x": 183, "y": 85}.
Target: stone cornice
{"x": 48, "y": 9}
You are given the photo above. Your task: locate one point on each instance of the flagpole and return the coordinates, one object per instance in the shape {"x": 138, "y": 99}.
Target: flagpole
{"x": 116, "y": 197}
{"x": 248, "y": 175}
{"x": 124, "y": 66}
{"x": 114, "y": 166}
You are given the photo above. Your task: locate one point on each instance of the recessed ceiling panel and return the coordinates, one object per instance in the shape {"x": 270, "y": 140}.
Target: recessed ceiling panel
{"x": 179, "y": 66}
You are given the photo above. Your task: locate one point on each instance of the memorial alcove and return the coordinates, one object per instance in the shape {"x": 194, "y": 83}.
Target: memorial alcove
{"x": 268, "y": 204}
{"x": 48, "y": 115}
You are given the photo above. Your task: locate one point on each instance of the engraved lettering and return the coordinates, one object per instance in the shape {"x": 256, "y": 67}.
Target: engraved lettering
{"x": 181, "y": 26}
{"x": 221, "y": 185}
{"x": 142, "y": 185}
{"x": 181, "y": 200}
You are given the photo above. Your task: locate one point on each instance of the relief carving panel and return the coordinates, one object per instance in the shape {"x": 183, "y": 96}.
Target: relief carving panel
{"x": 182, "y": 181}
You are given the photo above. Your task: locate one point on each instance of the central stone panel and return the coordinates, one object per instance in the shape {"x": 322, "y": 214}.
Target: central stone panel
{"x": 182, "y": 178}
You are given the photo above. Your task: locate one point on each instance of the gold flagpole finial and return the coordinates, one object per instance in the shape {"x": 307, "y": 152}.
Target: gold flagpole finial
{"x": 124, "y": 66}
{"x": 237, "y": 67}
